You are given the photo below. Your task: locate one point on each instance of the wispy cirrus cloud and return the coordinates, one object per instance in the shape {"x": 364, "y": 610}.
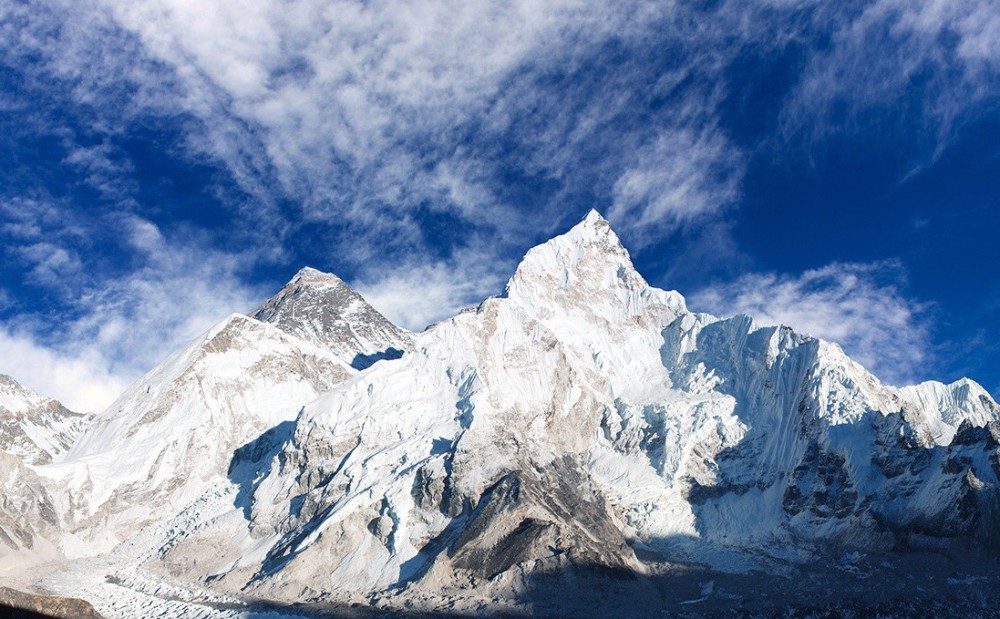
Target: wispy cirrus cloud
{"x": 110, "y": 328}
{"x": 677, "y": 179}
{"x": 859, "y": 306}
{"x": 420, "y": 146}
{"x": 369, "y": 113}
{"x": 935, "y": 63}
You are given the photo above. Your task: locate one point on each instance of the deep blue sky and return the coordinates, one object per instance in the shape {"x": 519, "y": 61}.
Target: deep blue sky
{"x": 832, "y": 166}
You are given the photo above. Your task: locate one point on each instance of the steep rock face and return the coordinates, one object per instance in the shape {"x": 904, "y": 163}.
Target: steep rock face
{"x": 38, "y": 430}
{"x": 323, "y": 310}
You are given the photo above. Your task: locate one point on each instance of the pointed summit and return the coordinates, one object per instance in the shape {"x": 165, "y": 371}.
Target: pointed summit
{"x": 594, "y": 227}
{"x": 587, "y": 268}
{"x": 313, "y": 277}
{"x": 322, "y": 309}
{"x": 589, "y": 255}
{"x": 593, "y": 217}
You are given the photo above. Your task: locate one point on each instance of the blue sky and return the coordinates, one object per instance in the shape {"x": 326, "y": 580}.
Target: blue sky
{"x": 832, "y": 166}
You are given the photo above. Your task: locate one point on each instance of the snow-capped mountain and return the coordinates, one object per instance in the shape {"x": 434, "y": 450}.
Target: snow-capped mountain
{"x": 170, "y": 437}
{"x": 173, "y": 433}
{"x": 582, "y": 420}
{"x": 584, "y": 414}
{"x": 36, "y": 429}
{"x": 323, "y": 310}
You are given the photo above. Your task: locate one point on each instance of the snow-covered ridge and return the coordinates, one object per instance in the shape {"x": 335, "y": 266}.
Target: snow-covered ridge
{"x": 15, "y": 397}
{"x": 947, "y": 407}
{"x": 38, "y": 430}
{"x": 582, "y": 418}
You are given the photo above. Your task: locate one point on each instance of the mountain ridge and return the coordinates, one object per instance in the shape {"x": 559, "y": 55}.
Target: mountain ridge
{"x": 581, "y": 422}
{"x": 37, "y": 429}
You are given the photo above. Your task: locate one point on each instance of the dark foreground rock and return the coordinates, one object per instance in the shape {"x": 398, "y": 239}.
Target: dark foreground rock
{"x": 19, "y": 604}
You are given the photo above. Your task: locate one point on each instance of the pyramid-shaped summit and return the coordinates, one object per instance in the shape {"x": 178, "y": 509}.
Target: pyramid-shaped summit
{"x": 586, "y": 266}
{"x": 324, "y": 310}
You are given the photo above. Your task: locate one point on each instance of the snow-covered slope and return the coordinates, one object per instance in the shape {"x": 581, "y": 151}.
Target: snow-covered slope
{"x": 581, "y": 420}
{"x": 174, "y": 431}
{"x": 171, "y": 437}
{"x": 37, "y": 430}
{"x": 947, "y": 407}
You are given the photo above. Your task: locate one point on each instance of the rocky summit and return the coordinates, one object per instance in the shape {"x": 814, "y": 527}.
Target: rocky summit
{"x": 581, "y": 444}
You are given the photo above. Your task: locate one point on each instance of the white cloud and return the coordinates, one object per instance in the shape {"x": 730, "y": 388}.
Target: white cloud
{"x": 43, "y": 242}
{"x": 936, "y": 60}
{"x": 677, "y": 179}
{"x": 340, "y": 83}
{"x": 81, "y": 381}
{"x": 331, "y": 103}
{"x": 180, "y": 290}
{"x": 123, "y": 326}
{"x": 335, "y": 104}
{"x": 859, "y": 306}
{"x": 52, "y": 265}
{"x": 419, "y": 294}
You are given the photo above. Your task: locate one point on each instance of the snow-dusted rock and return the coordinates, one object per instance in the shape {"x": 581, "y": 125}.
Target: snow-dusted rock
{"x": 323, "y": 310}
{"x": 38, "y": 430}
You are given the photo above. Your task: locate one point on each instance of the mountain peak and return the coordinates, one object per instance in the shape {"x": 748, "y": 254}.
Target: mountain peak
{"x": 593, "y": 218}
{"x": 588, "y": 254}
{"x": 593, "y": 227}
{"x": 15, "y": 397}
{"x": 314, "y": 277}
{"x": 323, "y": 309}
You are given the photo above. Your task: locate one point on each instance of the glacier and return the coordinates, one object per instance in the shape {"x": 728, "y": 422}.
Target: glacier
{"x": 583, "y": 431}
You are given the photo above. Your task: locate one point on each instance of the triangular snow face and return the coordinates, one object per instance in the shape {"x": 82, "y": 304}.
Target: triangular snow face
{"x": 36, "y": 429}
{"x": 588, "y": 258}
{"x": 322, "y": 309}
{"x": 586, "y": 277}
{"x": 175, "y": 430}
